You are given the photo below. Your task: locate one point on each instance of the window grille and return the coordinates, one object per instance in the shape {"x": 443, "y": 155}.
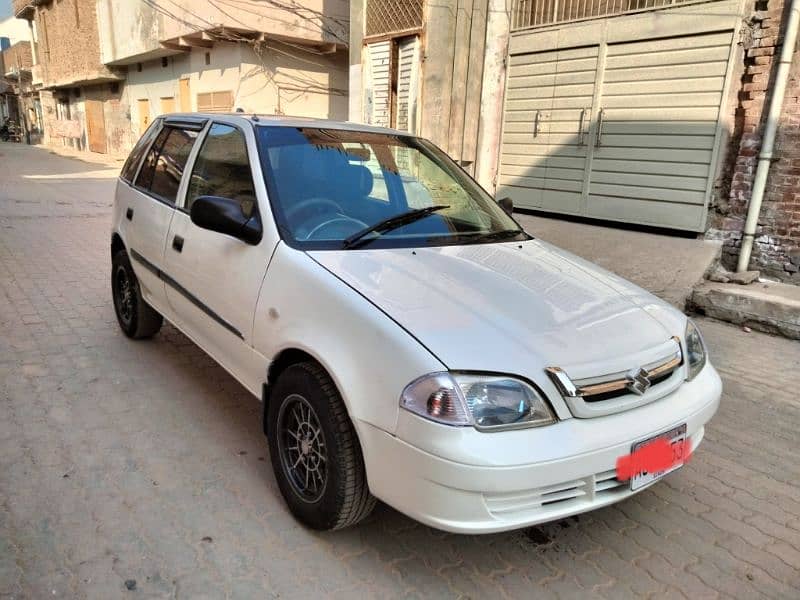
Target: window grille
{"x": 537, "y": 13}
{"x": 390, "y": 16}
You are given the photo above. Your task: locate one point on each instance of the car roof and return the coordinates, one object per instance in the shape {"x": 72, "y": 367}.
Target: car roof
{"x": 282, "y": 120}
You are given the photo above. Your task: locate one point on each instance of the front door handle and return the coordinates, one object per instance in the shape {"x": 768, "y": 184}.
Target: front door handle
{"x": 129, "y": 214}
{"x": 177, "y": 243}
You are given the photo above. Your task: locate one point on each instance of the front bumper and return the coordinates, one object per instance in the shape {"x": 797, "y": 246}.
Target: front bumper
{"x": 464, "y": 481}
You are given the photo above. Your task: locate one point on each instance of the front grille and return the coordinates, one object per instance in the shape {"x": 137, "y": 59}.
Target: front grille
{"x": 618, "y": 384}
{"x": 598, "y": 395}
{"x": 624, "y": 391}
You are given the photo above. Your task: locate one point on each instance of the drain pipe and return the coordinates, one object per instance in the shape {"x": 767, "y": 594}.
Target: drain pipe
{"x": 768, "y": 142}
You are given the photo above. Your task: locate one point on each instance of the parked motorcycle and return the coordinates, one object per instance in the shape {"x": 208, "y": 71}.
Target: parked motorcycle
{"x": 10, "y": 131}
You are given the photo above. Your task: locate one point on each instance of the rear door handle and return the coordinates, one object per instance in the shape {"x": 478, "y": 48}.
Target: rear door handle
{"x": 177, "y": 243}
{"x": 129, "y": 214}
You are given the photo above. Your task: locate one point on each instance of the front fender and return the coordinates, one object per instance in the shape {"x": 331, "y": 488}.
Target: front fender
{"x": 369, "y": 356}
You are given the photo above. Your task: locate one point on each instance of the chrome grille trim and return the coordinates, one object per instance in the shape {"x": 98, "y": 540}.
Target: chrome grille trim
{"x": 615, "y": 382}
{"x": 660, "y": 374}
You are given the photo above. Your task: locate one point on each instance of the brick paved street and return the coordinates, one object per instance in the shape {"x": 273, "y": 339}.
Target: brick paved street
{"x": 123, "y": 460}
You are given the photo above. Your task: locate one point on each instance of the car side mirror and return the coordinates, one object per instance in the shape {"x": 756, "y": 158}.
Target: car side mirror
{"x": 506, "y": 204}
{"x": 225, "y": 215}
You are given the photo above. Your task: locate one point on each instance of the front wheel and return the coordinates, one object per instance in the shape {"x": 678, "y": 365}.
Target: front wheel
{"x": 136, "y": 318}
{"x": 314, "y": 450}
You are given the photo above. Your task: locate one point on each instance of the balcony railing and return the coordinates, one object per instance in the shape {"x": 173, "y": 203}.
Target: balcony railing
{"x": 538, "y": 13}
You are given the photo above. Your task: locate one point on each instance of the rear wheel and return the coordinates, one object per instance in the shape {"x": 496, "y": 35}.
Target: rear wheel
{"x": 136, "y": 318}
{"x": 314, "y": 450}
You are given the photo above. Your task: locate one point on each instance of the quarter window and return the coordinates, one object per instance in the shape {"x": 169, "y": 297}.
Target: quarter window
{"x": 222, "y": 168}
{"x": 164, "y": 164}
{"x": 135, "y": 157}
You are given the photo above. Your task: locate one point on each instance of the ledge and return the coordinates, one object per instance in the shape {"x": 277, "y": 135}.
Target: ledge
{"x": 770, "y": 307}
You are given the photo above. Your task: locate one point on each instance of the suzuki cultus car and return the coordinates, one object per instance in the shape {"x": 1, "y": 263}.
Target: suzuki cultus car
{"x": 409, "y": 341}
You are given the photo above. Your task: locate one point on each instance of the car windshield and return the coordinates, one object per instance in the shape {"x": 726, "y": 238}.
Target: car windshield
{"x": 334, "y": 189}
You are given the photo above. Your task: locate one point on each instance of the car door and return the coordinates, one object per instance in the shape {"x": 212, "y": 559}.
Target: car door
{"x": 216, "y": 278}
{"x": 149, "y": 204}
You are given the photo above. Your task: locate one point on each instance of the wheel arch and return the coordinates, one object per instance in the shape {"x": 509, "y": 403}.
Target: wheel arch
{"x": 284, "y": 359}
{"x": 116, "y": 244}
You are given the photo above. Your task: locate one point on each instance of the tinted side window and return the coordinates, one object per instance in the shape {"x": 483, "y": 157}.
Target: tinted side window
{"x": 163, "y": 166}
{"x": 145, "y": 177}
{"x": 135, "y": 157}
{"x": 222, "y": 168}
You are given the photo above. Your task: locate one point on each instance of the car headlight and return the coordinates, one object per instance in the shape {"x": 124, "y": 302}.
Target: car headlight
{"x": 486, "y": 402}
{"x": 695, "y": 350}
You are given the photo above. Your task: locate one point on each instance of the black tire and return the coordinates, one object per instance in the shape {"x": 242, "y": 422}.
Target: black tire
{"x": 341, "y": 498}
{"x": 136, "y": 318}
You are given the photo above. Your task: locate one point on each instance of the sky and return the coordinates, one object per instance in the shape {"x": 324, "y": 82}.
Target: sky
{"x": 5, "y": 8}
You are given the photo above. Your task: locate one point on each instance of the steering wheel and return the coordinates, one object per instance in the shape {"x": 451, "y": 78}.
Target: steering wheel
{"x": 336, "y": 219}
{"x": 308, "y": 203}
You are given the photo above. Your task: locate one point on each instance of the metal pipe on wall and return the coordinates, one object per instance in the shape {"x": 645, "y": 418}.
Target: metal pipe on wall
{"x": 768, "y": 142}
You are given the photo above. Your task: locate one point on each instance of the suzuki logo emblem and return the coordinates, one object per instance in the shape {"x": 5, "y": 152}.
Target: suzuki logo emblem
{"x": 638, "y": 381}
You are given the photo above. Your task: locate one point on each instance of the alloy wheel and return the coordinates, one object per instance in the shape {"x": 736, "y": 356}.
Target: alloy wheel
{"x": 124, "y": 295}
{"x": 302, "y": 448}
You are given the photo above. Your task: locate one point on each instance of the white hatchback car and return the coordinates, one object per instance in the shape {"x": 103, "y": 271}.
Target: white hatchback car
{"x": 410, "y": 342}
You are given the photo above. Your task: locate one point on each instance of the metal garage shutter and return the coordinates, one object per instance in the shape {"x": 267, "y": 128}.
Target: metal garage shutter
{"x": 216, "y": 102}
{"x": 652, "y": 160}
{"x": 619, "y": 118}
{"x": 377, "y": 84}
{"x": 407, "y": 84}
{"x": 545, "y": 135}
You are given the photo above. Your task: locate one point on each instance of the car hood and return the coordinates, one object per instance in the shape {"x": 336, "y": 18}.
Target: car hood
{"x": 509, "y": 307}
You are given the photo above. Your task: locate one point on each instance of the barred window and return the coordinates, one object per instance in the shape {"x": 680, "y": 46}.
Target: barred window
{"x": 390, "y": 16}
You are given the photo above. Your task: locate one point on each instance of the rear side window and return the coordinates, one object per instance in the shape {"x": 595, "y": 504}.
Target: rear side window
{"x": 163, "y": 166}
{"x": 222, "y": 168}
{"x": 135, "y": 157}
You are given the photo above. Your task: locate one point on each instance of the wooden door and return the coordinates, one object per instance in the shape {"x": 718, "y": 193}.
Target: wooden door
{"x": 185, "y": 95}
{"x": 167, "y": 105}
{"x": 96, "y": 126}
{"x": 144, "y": 114}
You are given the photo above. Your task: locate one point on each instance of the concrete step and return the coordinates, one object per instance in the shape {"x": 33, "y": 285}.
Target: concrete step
{"x": 770, "y": 307}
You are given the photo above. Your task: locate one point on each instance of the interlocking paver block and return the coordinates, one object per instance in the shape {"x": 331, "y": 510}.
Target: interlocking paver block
{"x": 145, "y": 461}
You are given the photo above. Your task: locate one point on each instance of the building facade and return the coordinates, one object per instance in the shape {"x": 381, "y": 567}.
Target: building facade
{"x": 256, "y": 57}
{"x": 82, "y": 99}
{"x": 105, "y": 68}
{"x": 644, "y": 112}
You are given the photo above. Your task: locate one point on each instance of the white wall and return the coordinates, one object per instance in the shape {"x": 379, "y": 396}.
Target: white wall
{"x": 271, "y": 82}
{"x": 128, "y": 28}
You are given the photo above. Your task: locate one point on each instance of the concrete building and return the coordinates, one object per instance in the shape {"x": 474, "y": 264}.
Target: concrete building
{"x": 257, "y": 57}
{"x": 635, "y": 111}
{"x": 12, "y": 32}
{"x": 82, "y": 100}
{"x": 106, "y": 68}
{"x": 18, "y": 99}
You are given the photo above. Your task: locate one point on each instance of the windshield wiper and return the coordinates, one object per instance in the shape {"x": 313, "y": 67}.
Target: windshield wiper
{"x": 394, "y": 222}
{"x": 496, "y": 236}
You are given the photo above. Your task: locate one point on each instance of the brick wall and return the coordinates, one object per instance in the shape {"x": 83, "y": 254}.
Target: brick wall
{"x": 776, "y": 251}
{"x": 16, "y": 57}
{"x": 69, "y": 46}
